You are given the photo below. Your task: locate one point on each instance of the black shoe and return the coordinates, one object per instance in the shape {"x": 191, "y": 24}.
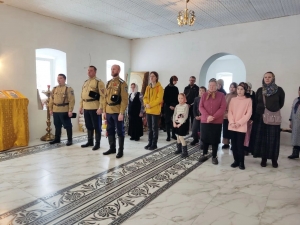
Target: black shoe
{"x": 246, "y": 153}
{"x": 179, "y": 149}
{"x": 242, "y": 166}
{"x": 234, "y": 164}
{"x": 54, "y": 142}
{"x": 96, "y": 146}
{"x": 274, "y": 163}
{"x": 215, "y": 161}
{"x": 168, "y": 139}
{"x": 184, "y": 153}
{"x": 174, "y": 137}
{"x": 131, "y": 139}
{"x": 110, "y": 151}
{"x": 152, "y": 147}
{"x": 225, "y": 146}
{"x": 69, "y": 142}
{"x": 194, "y": 142}
{"x": 203, "y": 158}
{"x": 137, "y": 139}
{"x": 263, "y": 162}
{"x": 147, "y": 146}
{"x": 295, "y": 154}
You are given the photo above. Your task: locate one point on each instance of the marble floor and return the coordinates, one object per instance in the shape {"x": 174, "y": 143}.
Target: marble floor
{"x": 200, "y": 193}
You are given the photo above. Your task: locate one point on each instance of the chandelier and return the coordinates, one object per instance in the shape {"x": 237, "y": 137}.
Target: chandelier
{"x": 186, "y": 17}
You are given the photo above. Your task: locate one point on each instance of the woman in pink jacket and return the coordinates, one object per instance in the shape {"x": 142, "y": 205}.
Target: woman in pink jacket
{"x": 212, "y": 108}
{"x": 239, "y": 112}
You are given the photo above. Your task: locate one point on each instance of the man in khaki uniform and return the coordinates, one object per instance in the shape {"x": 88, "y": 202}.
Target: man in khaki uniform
{"x": 115, "y": 104}
{"x": 91, "y": 105}
{"x": 61, "y": 106}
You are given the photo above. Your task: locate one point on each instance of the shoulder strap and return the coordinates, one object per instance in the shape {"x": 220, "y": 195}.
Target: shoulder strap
{"x": 108, "y": 83}
{"x": 65, "y": 95}
{"x": 264, "y": 99}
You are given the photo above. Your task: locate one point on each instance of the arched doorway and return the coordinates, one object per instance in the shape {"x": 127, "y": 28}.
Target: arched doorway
{"x": 224, "y": 66}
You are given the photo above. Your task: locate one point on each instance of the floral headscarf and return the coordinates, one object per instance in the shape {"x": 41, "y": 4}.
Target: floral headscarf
{"x": 271, "y": 88}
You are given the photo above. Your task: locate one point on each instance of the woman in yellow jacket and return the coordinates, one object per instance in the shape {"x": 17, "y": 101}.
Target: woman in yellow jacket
{"x": 153, "y": 100}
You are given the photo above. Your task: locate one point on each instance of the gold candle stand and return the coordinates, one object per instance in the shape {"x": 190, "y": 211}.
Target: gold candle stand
{"x": 48, "y": 136}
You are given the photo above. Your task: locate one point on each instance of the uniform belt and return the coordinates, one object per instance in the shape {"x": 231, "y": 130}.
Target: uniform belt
{"x": 64, "y": 104}
{"x": 89, "y": 100}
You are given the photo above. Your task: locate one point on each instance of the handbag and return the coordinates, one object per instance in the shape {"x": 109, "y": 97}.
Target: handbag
{"x": 248, "y": 133}
{"x": 271, "y": 118}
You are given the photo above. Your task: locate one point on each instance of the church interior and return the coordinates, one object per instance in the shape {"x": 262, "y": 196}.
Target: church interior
{"x": 207, "y": 40}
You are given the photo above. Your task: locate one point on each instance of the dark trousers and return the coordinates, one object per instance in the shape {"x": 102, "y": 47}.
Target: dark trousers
{"x": 152, "y": 121}
{"x": 92, "y": 120}
{"x": 214, "y": 149}
{"x": 168, "y": 120}
{"x": 114, "y": 124}
{"x": 61, "y": 119}
{"x": 237, "y": 142}
{"x": 196, "y": 129}
{"x": 190, "y": 119}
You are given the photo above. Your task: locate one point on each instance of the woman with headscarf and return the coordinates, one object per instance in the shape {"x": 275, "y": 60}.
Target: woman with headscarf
{"x": 226, "y": 132}
{"x": 220, "y": 84}
{"x": 170, "y": 101}
{"x": 249, "y": 135}
{"x": 295, "y": 126}
{"x": 135, "y": 113}
{"x": 267, "y": 137}
{"x": 212, "y": 108}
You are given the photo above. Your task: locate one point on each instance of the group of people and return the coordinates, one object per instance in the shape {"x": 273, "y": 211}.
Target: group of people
{"x": 242, "y": 113}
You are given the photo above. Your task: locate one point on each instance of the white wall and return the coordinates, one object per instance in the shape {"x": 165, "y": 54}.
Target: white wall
{"x": 262, "y": 46}
{"x": 23, "y": 32}
{"x": 234, "y": 66}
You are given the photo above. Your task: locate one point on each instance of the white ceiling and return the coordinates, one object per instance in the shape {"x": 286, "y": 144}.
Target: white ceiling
{"x": 148, "y": 18}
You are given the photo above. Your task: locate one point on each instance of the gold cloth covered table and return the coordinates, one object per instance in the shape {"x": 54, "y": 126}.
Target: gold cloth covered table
{"x": 14, "y": 130}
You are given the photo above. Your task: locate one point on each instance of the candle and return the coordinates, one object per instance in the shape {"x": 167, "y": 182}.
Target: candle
{"x": 48, "y": 86}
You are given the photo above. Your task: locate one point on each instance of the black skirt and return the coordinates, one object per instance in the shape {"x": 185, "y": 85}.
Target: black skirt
{"x": 226, "y": 132}
{"x": 211, "y": 133}
{"x": 135, "y": 128}
{"x": 182, "y": 130}
{"x": 267, "y": 139}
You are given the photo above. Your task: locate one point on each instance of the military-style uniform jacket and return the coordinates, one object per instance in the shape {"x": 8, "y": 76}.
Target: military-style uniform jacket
{"x": 95, "y": 85}
{"x": 116, "y": 98}
{"x": 62, "y": 99}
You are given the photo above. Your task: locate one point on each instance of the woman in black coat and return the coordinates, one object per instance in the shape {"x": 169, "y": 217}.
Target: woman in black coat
{"x": 170, "y": 101}
{"x": 135, "y": 113}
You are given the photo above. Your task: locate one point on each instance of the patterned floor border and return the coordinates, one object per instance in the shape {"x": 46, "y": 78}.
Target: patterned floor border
{"x": 103, "y": 198}
{"x": 29, "y": 150}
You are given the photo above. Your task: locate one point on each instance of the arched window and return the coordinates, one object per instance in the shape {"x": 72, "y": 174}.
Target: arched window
{"x": 109, "y": 64}
{"x": 49, "y": 63}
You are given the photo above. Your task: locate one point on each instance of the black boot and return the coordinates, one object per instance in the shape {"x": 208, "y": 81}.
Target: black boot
{"x": 194, "y": 142}
{"x": 90, "y": 142}
{"x": 70, "y": 136}
{"x": 150, "y": 138}
{"x": 121, "y": 147}
{"x": 179, "y": 149}
{"x": 173, "y": 134}
{"x": 57, "y": 136}
{"x": 112, "y": 145}
{"x": 97, "y": 143}
{"x": 295, "y": 154}
{"x": 153, "y": 145}
{"x": 184, "y": 153}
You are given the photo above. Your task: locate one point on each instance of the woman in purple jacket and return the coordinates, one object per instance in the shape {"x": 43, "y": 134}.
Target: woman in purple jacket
{"x": 212, "y": 107}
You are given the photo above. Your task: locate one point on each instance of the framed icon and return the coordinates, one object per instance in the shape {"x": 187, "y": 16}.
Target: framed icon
{"x": 2, "y": 95}
{"x": 12, "y": 94}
